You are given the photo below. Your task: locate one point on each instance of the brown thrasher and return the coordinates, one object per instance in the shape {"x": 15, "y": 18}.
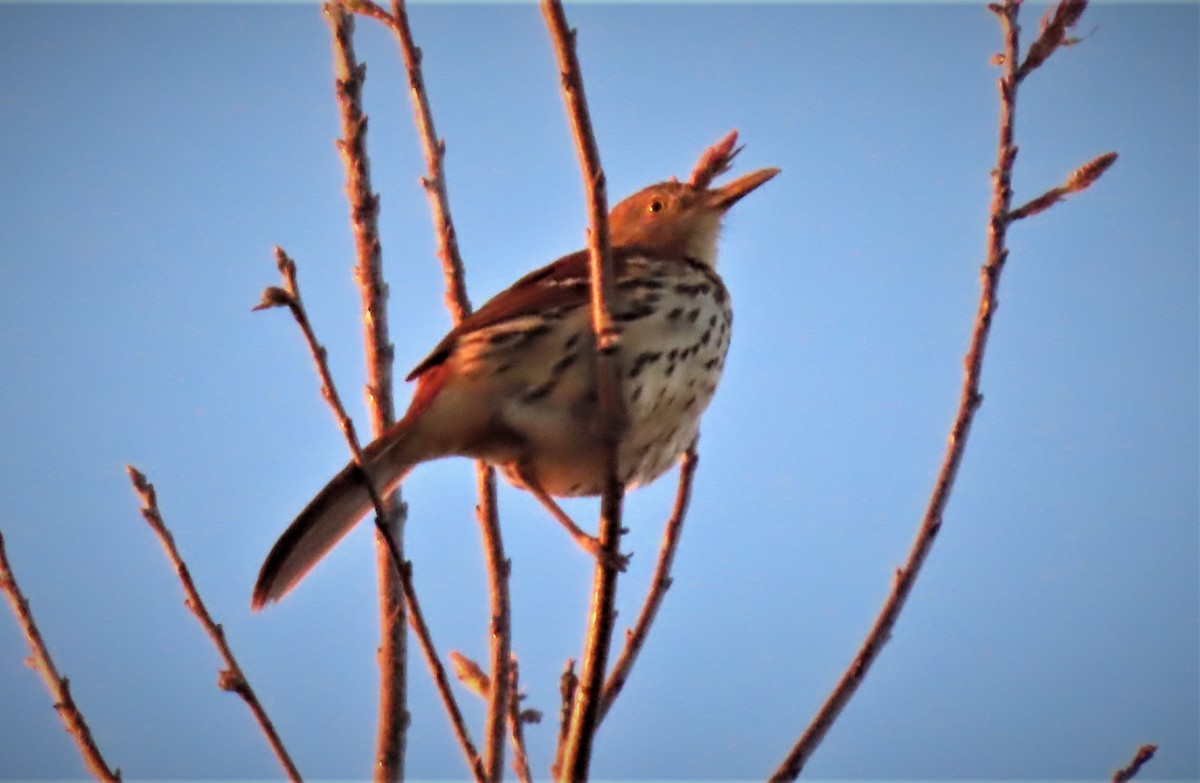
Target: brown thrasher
{"x": 514, "y": 383}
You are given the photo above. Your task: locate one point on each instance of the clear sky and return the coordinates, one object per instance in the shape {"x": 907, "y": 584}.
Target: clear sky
{"x": 151, "y": 156}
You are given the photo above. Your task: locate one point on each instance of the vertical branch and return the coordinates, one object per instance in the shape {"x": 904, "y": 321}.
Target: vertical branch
{"x": 364, "y": 211}
{"x": 500, "y": 625}
{"x": 58, "y": 686}
{"x": 1001, "y": 216}
{"x": 585, "y": 714}
{"x": 232, "y": 678}
{"x": 459, "y": 305}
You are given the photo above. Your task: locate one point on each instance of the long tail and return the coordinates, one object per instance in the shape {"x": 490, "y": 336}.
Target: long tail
{"x": 332, "y": 513}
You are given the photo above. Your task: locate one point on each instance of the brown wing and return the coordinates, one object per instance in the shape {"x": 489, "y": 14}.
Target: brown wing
{"x": 563, "y": 283}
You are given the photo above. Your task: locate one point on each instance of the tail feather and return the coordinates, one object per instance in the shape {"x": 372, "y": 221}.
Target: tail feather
{"x": 327, "y": 519}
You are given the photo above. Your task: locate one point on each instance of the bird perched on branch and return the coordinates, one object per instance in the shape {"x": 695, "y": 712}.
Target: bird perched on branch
{"x": 514, "y": 383}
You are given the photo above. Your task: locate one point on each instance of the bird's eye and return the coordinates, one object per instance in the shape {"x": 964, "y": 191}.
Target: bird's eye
{"x": 656, "y": 206}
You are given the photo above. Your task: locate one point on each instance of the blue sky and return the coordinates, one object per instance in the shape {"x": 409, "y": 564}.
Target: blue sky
{"x": 151, "y": 156}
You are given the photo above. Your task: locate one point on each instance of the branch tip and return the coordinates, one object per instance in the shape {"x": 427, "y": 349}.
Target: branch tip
{"x": 1143, "y": 755}
{"x": 1088, "y": 173}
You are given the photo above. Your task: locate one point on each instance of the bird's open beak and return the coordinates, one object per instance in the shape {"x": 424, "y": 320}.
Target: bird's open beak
{"x": 730, "y": 193}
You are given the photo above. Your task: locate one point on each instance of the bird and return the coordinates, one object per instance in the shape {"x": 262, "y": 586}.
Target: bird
{"x": 513, "y": 384}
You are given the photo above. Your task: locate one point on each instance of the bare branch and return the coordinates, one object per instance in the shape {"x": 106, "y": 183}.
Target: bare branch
{"x": 969, "y": 397}
{"x": 660, "y": 582}
{"x": 459, "y": 305}
{"x": 500, "y": 625}
{"x": 1127, "y": 773}
{"x": 434, "y": 181}
{"x": 403, "y": 568}
{"x": 232, "y": 678}
{"x": 60, "y": 690}
{"x": 364, "y": 213}
{"x": 602, "y": 616}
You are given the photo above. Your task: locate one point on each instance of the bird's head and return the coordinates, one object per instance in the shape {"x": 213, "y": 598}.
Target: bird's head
{"x": 680, "y": 218}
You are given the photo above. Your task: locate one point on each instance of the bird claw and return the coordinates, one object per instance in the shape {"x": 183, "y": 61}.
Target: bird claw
{"x": 615, "y": 560}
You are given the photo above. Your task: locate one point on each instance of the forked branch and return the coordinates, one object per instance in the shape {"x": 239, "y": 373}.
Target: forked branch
{"x": 1065, "y": 15}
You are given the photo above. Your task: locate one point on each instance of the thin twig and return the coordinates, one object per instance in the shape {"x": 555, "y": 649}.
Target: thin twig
{"x": 364, "y": 212}
{"x": 500, "y": 625}
{"x": 602, "y": 616}
{"x": 567, "y": 683}
{"x": 289, "y": 296}
{"x": 660, "y": 582}
{"x": 517, "y": 718}
{"x": 60, "y": 690}
{"x": 459, "y": 304}
{"x": 969, "y": 402}
{"x": 1127, "y": 773}
{"x": 1080, "y": 180}
{"x": 434, "y": 181}
{"x": 232, "y": 677}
